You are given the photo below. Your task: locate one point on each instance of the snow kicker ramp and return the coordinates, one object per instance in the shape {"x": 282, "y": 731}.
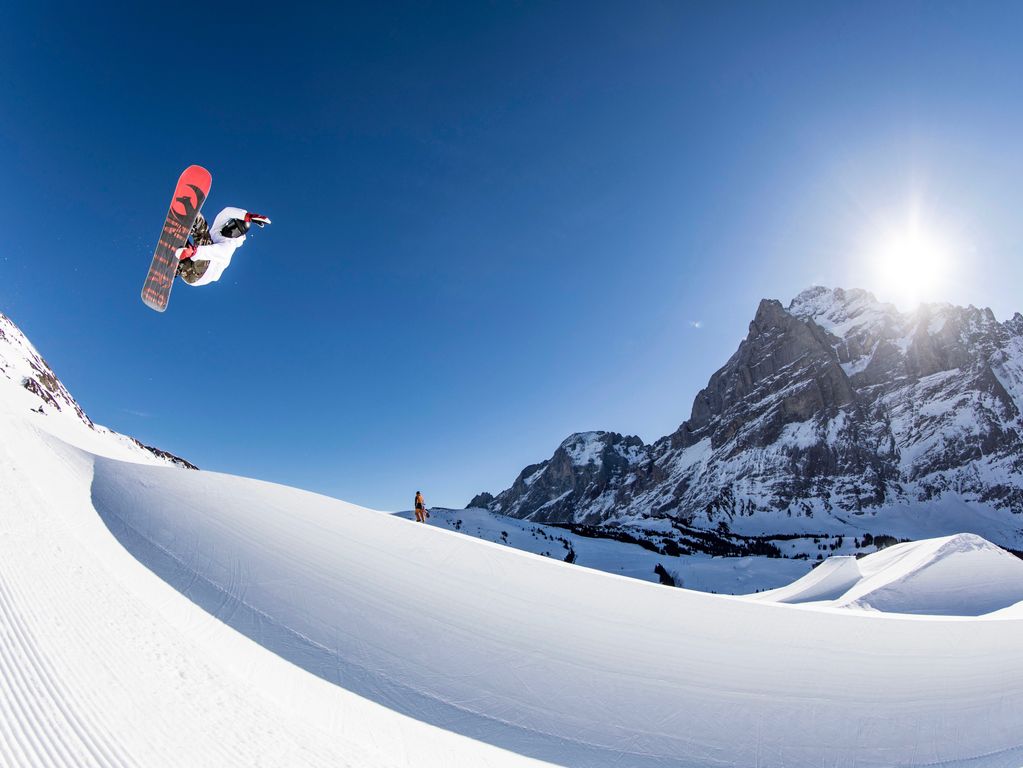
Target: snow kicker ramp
{"x": 829, "y": 580}
{"x": 563, "y": 663}
{"x": 956, "y": 575}
{"x": 960, "y": 575}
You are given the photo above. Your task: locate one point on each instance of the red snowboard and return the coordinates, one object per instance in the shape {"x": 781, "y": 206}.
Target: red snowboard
{"x": 189, "y": 195}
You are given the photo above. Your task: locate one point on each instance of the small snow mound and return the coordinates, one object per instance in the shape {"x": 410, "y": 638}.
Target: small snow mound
{"x": 828, "y": 581}
{"x": 960, "y": 575}
{"x": 1014, "y": 611}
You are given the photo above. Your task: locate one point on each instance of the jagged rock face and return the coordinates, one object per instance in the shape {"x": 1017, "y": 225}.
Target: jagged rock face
{"x": 835, "y": 405}
{"x": 784, "y": 371}
{"x": 589, "y": 469}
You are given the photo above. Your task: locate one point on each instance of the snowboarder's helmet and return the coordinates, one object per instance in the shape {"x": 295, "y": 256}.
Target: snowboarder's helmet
{"x": 234, "y": 228}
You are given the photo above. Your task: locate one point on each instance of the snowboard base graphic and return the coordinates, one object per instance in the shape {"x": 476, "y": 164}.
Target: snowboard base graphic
{"x": 189, "y": 195}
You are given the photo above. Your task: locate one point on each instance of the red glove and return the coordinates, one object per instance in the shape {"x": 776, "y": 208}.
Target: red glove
{"x": 256, "y": 218}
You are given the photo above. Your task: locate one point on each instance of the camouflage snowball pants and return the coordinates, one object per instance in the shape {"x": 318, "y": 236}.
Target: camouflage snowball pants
{"x": 191, "y": 270}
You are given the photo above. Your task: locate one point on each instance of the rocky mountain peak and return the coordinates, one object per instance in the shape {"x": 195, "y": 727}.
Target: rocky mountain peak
{"x": 585, "y": 448}
{"x": 784, "y": 370}
{"x": 835, "y": 405}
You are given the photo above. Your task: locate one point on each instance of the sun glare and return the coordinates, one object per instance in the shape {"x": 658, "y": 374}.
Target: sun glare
{"x": 912, "y": 263}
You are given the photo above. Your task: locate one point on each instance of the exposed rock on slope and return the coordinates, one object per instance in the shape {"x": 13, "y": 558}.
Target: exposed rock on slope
{"x": 589, "y": 466}
{"x": 34, "y": 385}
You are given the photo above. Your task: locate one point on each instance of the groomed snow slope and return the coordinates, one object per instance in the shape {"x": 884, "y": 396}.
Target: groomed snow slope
{"x": 563, "y": 663}
{"x": 104, "y": 664}
{"x": 406, "y": 628}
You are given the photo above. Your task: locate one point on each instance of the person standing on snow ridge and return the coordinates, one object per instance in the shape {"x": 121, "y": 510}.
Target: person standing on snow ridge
{"x": 203, "y": 260}
{"x": 421, "y": 511}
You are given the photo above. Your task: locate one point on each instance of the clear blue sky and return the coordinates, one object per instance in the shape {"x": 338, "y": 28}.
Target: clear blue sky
{"x": 494, "y": 225}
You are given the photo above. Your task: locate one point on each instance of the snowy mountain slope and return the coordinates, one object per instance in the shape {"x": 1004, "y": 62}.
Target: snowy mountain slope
{"x": 131, "y": 595}
{"x": 700, "y": 571}
{"x": 28, "y": 384}
{"x": 961, "y": 575}
{"x": 837, "y": 414}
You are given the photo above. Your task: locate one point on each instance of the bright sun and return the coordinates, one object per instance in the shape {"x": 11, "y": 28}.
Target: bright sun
{"x": 912, "y": 263}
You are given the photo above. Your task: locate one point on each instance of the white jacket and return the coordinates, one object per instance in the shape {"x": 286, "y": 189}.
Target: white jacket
{"x": 219, "y": 254}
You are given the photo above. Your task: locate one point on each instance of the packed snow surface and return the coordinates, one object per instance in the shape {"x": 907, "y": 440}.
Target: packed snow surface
{"x": 153, "y": 615}
{"x": 478, "y": 653}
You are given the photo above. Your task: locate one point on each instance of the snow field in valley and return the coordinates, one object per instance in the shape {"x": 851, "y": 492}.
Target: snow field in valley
{"x": 698, "y": 571}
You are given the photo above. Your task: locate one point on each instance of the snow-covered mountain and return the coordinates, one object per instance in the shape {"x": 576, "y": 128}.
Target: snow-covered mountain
{"x": 837, "y": 414}
{"x": 31, "y": 385}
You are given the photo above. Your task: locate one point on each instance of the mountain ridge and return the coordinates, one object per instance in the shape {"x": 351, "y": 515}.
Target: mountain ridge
{"x": 833, "y": 410}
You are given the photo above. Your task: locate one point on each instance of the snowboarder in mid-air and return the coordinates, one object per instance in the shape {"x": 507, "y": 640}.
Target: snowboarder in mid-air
{"x": 209, "y": 250}
{"x": 189, "y": 249}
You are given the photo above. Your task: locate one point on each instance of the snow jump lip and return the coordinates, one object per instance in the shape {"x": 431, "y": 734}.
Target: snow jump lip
{"x": 559, "y": 662}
